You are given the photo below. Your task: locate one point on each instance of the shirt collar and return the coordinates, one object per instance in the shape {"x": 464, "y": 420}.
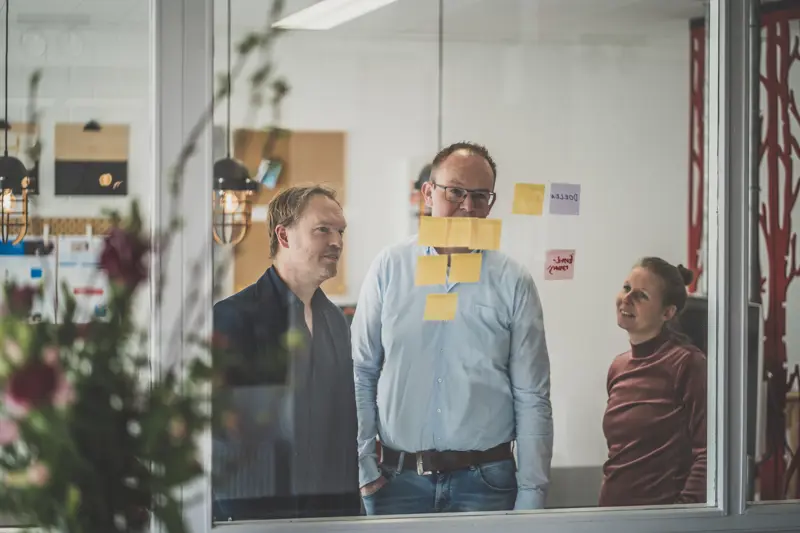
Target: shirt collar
{"x": 287, "y": 297}
{"x": 430, "y": 250}
{"x": 649, "y": 347}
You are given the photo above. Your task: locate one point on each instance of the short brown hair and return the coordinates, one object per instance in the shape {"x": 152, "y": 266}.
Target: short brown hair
{"x": 469, "y": 147}
{"x": 288, "y": 205}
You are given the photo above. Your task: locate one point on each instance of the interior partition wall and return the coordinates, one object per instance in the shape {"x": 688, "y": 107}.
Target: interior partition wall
{"x": 184, "y": 85}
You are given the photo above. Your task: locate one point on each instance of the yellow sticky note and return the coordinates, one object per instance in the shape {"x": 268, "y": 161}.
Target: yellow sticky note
{"x": 528, "y": 199}
{"x": 431, "y": 270}
{"x": 486, "y": 234}
{"x": 465, "y": 268}
{"x": 432, "y": 231}
{"x": 459, "y": 232}
{"x": 441, "y": 306}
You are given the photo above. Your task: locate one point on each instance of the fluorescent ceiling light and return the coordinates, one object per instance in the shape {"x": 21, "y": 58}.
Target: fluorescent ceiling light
{"x": 327, "y": 14}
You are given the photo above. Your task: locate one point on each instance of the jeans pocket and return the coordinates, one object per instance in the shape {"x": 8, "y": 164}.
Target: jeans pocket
{"x": 388, "y": 474}
{"x": 499, "y": 475}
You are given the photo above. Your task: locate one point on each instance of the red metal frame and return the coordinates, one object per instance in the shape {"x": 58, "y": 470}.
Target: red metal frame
{"x": 697, "y": 62}
{"x": 778, "y": 148}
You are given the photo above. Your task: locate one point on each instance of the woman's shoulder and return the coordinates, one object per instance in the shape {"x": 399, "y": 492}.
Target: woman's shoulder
{"x": 686, "y": 351}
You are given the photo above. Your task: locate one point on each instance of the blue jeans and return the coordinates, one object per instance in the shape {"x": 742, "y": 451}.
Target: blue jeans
{"x": 488, "y": 487}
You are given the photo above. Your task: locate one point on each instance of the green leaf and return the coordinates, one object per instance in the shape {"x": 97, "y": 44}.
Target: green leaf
{"x": 73, "y": 499}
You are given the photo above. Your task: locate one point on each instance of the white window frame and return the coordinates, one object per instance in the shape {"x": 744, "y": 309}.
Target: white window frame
{"x": 183, "y": 59}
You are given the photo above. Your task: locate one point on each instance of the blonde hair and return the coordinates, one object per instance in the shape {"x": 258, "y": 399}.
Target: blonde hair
{"x": 287, "y": 207}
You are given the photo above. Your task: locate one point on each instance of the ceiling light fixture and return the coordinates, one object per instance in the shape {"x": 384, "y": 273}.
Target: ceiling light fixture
{"x": 328, "y": 14}
{"x": 14, "y": 179}
{"x": 232, "y": 212}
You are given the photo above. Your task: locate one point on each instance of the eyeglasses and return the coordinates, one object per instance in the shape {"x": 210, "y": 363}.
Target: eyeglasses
{"x": 481, "y": 199}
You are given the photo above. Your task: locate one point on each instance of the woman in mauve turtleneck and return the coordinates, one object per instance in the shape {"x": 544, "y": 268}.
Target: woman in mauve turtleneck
{"x": 655, "y": 420}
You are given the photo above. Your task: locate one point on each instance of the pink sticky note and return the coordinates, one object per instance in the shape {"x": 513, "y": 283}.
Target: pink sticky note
{"x": 559, "y": 264}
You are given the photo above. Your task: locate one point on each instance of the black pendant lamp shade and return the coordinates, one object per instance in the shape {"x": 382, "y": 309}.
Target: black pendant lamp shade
{"x": 13, "y": 175}
{"x": 231, "y": 175}
{"x": 14, "y": 180}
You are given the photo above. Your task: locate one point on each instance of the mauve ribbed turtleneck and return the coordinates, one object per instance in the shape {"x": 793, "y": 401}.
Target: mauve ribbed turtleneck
{"x": 655, "y": 425}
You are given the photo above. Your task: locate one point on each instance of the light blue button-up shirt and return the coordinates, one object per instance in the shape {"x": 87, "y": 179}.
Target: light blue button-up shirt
{"x": 472, "y": 383}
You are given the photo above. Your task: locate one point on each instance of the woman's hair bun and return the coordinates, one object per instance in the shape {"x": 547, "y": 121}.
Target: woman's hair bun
{"x": 686, "y": 274}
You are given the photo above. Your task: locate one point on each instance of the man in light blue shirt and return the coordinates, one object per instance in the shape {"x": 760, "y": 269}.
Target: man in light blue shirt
{"x": 448, "y": 398}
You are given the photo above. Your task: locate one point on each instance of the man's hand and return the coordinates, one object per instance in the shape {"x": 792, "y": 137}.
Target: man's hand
{"x": 373, "y": 487}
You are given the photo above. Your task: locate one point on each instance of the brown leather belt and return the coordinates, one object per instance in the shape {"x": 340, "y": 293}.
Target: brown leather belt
{"x": 431, "y": 461}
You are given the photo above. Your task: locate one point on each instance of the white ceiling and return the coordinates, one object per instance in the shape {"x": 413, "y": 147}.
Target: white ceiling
{"x": 502, "y": 20}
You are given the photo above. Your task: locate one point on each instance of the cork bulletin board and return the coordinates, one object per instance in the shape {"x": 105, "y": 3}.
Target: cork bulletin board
{"x": 308, "y": 157}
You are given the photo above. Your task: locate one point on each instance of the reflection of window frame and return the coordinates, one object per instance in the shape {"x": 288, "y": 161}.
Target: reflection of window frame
{"x": 186, "y": 25}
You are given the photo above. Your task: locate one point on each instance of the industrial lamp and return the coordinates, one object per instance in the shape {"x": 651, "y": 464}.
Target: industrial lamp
{"x": 233, "y": 187}
{"x": 14, "y": 180}
{"x": 232, "y": 212}
{"x": 14, "y": 183}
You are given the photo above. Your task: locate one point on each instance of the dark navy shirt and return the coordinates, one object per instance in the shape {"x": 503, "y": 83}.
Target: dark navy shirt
{"x": 292, "y": 392}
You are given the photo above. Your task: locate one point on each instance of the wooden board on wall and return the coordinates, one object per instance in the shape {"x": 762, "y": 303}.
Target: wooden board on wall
{"x": 308, "y": 157}
{"x": 91, "y": 162}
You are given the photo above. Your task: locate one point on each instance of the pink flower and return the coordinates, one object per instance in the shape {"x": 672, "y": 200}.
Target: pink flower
{"x": 50, "y": 355}
{"x": 124, "y": 258}
{"x": 20, "y": 300}
{"x": 15, "y": 408}
{"x": 38, "y": 474}
{"x": 64, "y": 395}
{"x": 12, "y": 352}
{"x": 34, "y": 384}
{"x": 9, "y": 431}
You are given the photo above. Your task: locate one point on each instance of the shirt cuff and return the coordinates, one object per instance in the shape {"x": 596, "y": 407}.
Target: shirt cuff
{"x": 529, "y": 500}
{"x": 368, "y": 470}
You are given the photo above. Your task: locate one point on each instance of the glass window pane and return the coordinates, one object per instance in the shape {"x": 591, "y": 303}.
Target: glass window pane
{"x": 479, "y": 385}
{"x": 360, "y": 117}
{"x": 774, "y": 376}
{"x": 594, "y": 112}
{"x": 91, "y": 118}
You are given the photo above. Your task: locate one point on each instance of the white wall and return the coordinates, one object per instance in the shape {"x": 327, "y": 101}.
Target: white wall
{"x": 614, "y": 119}
{"x": 88, "y": 73}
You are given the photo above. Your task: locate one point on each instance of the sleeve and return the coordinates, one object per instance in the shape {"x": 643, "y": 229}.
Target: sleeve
{"x": 231, "y": 334}
{"x": 529, "y": 370}
{"x": 367, "y": 350}
{"x": 693, "y": 384}
{"x": 610, "y": 377}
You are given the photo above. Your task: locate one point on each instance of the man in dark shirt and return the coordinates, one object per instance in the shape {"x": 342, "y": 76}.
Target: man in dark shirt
{"x": 292, "y": 453}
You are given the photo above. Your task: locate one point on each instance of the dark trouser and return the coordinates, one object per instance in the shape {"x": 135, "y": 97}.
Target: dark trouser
{"x": 321, "y": 506}
{"x": 488, "y": 487}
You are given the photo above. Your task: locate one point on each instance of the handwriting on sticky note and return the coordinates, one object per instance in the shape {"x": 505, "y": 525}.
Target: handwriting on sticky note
{"x": 441, "y": 306}
{"x": 459, "y": 232}
{"x": 465, "y": 268}
{"x": 559, "y": 264}
{"x": 431, "y": 270}
{"x": 432, "y": 231}
{"x": 528, "y": 199}
{"x": 486, "y": 234}
{"x": 565, "y": 199}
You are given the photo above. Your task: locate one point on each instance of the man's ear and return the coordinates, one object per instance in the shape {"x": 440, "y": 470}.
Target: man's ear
{"x": 427, "y": 193}
{"x": 283, "y": 236}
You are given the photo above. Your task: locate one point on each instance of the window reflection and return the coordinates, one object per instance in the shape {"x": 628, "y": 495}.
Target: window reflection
{"x": 773, "y": 414}
{"x": 482, "y": 283}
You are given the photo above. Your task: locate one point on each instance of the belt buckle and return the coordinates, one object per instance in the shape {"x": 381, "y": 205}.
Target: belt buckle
{"x": 420, "y": 470}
